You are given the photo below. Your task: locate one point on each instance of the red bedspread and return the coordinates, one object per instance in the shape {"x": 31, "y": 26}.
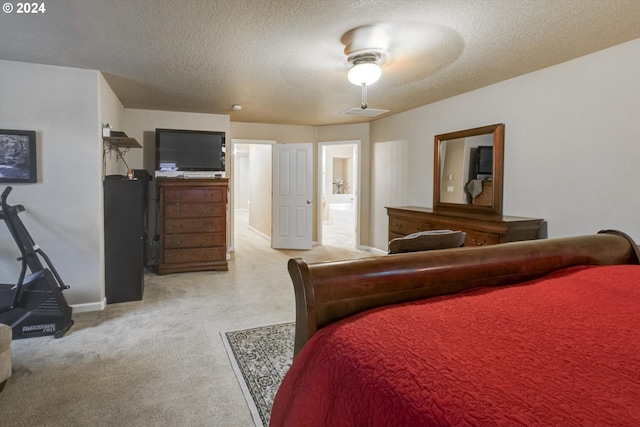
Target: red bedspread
{"x": 563, "y": 351}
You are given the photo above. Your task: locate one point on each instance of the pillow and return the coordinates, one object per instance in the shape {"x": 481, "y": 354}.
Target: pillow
{"x": 427, "y": 240}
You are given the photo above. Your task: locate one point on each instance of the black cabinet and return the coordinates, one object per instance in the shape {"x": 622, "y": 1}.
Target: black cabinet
{"x": 124, "y": 239}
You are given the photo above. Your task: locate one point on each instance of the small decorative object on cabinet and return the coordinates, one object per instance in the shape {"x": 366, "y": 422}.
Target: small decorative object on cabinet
{"x": 480, "y": 230}
{"x": 193, "y": 224}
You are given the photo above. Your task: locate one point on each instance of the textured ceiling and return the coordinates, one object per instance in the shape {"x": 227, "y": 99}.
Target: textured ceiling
{"x": 283, "y": 60}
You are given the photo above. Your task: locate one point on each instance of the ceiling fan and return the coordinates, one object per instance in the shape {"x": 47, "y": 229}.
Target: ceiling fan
{"x": 402, "y": 53}
{"x": 366, "y": 48}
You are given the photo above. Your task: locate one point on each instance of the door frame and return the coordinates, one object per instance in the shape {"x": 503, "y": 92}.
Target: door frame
{"x": 357, "y": 167}
{"x": 232, "y": 201}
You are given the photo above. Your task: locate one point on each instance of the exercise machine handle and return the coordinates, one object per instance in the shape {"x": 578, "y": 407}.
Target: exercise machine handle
{"x": 4, "y": 196}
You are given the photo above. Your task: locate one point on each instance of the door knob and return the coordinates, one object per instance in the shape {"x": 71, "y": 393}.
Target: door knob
{"x": 308, "y": 202}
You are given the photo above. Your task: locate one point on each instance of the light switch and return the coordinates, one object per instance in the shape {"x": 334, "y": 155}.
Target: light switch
{"x": 449, "y": 188}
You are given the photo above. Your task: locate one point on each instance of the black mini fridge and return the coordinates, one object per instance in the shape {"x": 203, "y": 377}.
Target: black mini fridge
{"x": 124, "y": 238}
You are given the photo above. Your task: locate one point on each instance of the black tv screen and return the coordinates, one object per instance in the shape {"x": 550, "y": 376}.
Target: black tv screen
{"x": 484, "y": 160}
{"x": 189, "y": 150}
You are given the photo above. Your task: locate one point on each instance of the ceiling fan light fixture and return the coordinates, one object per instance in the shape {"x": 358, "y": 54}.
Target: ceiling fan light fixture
{"x": 364, "y": 73}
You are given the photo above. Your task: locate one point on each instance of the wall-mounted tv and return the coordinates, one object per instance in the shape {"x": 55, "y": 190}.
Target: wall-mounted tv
{"x": 190, "y": 150}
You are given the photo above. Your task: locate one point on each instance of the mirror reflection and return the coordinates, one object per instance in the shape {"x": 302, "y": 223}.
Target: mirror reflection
{"x": 466, "y": 166}
{"x": 468, "y": 171}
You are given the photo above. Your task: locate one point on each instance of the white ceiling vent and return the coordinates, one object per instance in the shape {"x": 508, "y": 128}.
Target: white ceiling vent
{"x": 365, "y": 112}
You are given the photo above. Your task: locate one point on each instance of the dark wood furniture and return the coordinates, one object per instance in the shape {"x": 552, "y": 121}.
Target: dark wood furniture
{"x": 486, "y": 197}
{"x": 441, "y": 337}
{"x": 124, "y": 239}
{"x": 481, "y": 230}
{"x": 329, "y": 291}
{"x": 193, "y": 224}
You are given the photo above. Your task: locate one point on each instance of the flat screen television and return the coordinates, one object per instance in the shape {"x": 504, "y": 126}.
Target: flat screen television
{"x": 190, "y": 150}
{"x": 484, "y": 162}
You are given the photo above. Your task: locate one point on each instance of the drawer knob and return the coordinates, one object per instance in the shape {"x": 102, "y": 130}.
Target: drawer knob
{"x": 177, "y": 211}
{"x": 177, "y": 195}
{"x": 398, "y": 226}
{"x": 478, "y": 242}
{"x": 209, "y": 226}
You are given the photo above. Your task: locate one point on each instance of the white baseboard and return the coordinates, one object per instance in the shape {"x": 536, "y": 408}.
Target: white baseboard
{"x": 91, "y": 306}
{"x": 373, "y": 250}
{"x": 260, "y": 233}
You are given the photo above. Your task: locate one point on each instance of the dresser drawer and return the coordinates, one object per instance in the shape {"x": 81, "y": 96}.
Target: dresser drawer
{"x": 480, "y": 239}
{"x": 194, "y": 255}
{"x": 198, "y": 240}
{"x": 172, "y": 195}
{"x": 195, "y": 225}
{"x": 192, "y": 210}
{"x": 192, "y": 222}
{"x": 404, "y": 227}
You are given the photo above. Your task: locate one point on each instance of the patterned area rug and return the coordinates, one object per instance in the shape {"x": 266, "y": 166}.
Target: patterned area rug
{"x": 260, "y": 357}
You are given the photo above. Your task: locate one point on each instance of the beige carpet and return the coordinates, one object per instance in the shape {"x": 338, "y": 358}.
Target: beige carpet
{"x": 160, "y": 361}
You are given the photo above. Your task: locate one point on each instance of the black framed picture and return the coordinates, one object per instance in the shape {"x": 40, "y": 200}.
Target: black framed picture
{"x": 18, "y": 156}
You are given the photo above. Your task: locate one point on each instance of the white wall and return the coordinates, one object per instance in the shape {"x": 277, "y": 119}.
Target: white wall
{"x": 252, "y": 182}
{"x": 64, "y": 208}
{"x": 241, "y": 175}
{"x": 572, "y": 144}
{"x": 111, "y": 112}
{"x": 260, "y": 192}
{"x": 345, "y": 157}
{"x": 389, "y": 186}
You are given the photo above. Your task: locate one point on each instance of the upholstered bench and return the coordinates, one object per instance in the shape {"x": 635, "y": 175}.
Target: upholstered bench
{"x": 5, "y": 354}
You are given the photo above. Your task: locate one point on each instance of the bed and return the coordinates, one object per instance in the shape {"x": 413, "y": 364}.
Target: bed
{"x": 536, "y": 333}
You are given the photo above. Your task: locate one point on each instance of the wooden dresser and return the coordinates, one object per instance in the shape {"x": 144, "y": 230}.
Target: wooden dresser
{"x": 193, "y": 224}
{"x": 480, "y": 230}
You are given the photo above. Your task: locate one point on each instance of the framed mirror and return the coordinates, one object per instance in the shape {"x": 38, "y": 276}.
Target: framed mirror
{"x": 468, "y": 171}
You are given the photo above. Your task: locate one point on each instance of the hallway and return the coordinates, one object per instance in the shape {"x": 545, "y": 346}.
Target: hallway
{"x": 339, "y": 228}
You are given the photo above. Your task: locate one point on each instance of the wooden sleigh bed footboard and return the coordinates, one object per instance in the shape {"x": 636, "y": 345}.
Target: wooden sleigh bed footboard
{"x": 329, "y": 291}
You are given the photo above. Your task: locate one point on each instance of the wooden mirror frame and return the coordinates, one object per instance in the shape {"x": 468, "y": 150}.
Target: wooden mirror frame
{"x": 495, "y": 210}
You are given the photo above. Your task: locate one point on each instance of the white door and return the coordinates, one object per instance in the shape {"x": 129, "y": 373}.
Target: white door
{"x": 292, "y": 207}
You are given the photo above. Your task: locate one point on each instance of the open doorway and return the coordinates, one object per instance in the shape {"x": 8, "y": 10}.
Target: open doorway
{"x": 251, "y": 180}
{"x": 339, "y": 187}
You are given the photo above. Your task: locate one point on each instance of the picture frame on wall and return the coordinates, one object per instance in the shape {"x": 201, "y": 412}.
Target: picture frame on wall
{"x": 18, "y": 156}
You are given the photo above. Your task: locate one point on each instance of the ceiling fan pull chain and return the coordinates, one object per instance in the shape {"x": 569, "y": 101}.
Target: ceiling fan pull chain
{"x": 363, "y": 105}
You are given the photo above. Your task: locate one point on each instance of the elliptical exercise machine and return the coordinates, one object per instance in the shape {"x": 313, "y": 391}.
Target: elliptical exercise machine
{"x": 35, "y": 305}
